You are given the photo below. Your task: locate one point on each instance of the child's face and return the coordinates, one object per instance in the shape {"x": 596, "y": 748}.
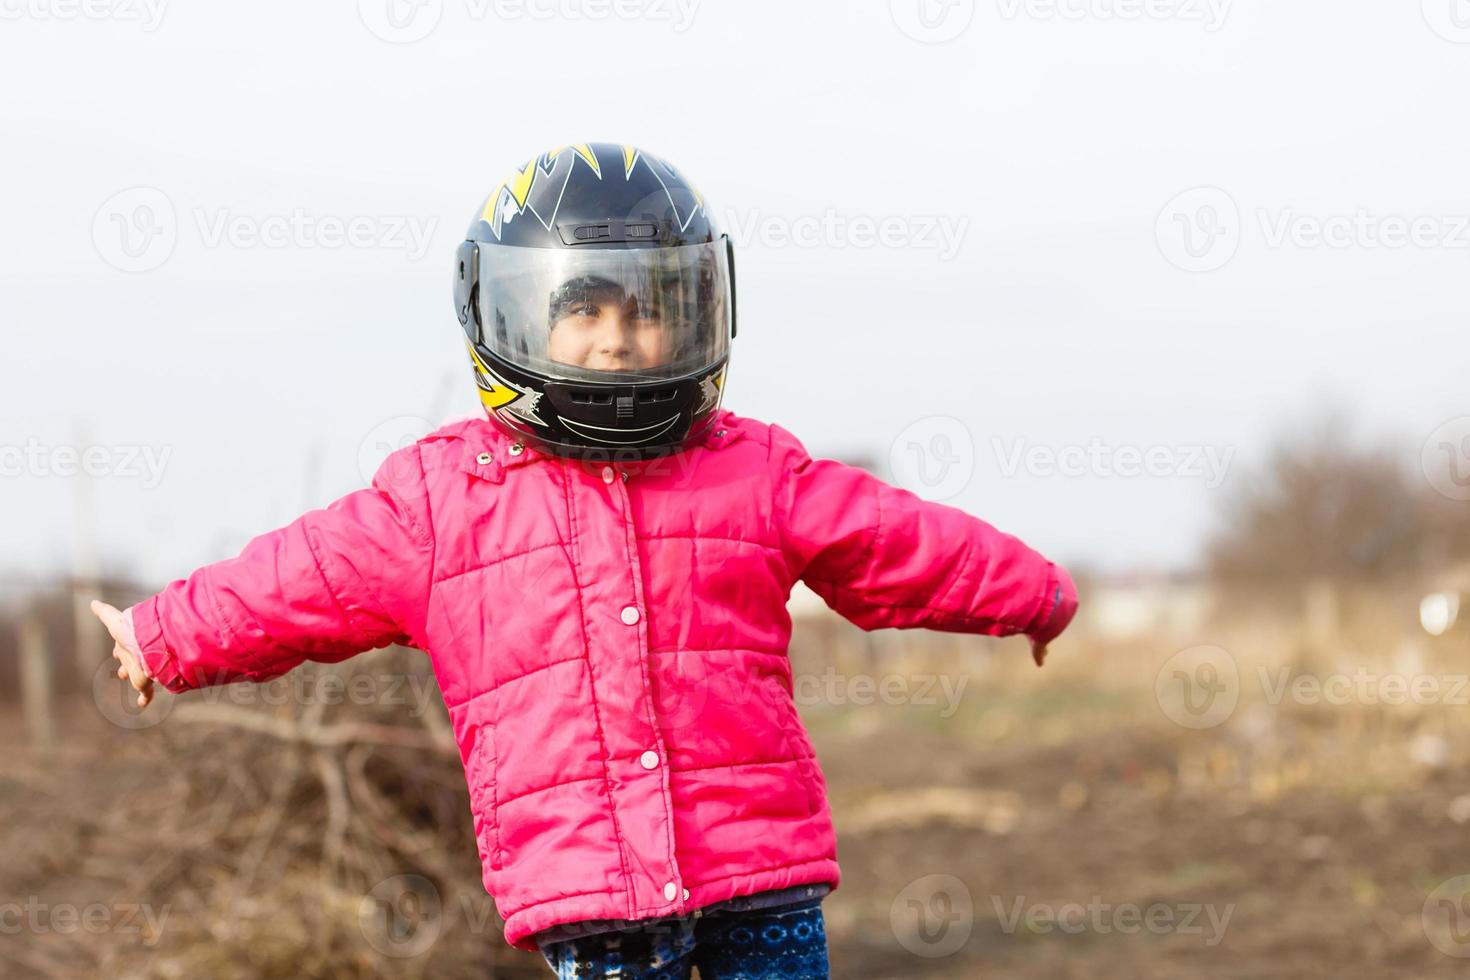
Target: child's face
{"x": 606, "y": 330}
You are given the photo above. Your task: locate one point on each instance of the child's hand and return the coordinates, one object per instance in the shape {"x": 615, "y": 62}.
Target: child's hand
{"x": 125, "y": 649}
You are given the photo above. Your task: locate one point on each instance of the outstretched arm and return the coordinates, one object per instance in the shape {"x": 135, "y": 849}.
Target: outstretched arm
{"x": 883, "y": 557}
{"x": 336, "y": 581}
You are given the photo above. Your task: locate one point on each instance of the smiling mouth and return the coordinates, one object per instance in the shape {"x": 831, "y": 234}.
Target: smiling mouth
{"x": 621, "y": 436}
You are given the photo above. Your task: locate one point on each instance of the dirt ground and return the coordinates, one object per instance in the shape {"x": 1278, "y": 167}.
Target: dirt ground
{"x": 1050, "y": 824}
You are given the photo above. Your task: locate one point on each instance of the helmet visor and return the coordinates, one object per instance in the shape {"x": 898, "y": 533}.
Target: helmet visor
{"x": 642, "y": 314}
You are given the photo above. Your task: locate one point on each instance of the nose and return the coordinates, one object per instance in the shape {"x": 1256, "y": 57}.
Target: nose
{"x": 613, "y": 336}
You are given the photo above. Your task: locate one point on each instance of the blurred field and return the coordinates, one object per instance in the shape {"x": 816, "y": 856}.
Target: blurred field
{"x": 1293, "y": 839}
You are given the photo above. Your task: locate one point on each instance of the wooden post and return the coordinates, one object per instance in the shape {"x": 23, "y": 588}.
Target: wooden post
{"x": 36, "y": 690}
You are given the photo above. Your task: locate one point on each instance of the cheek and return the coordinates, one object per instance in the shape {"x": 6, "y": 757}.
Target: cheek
{"x": 653, "y": 344}
{"x": 563, "y": 345}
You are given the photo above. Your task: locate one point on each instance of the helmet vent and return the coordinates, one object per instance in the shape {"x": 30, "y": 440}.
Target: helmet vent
{"x": 656, "y": 395}
{"x": 591, "y": 397}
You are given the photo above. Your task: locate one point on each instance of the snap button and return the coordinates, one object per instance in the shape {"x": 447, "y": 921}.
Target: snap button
{"x": 607, "y": 474}
{"x": 686, "y": 894}
{"x": 670, "y": 890}
{"x": 484, "y": 459}
{"x": 719, "y": 432}
{"x": 516, "y": 449}
{"x": 630, "y": 614}
{"x": 649, "y": 759}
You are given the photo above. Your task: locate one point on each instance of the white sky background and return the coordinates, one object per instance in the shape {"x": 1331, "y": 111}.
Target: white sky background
{"x": 1053, "y": 142}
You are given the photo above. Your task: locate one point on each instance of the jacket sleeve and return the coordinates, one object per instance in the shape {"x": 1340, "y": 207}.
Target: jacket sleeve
{"x": 883, "y": 557}
{"x": 336, "y": 581}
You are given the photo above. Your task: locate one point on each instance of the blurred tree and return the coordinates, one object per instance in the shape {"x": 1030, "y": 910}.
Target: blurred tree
{"x": 1325, "y": 507}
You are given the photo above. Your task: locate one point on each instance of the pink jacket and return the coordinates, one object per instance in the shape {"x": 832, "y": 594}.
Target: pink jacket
{"x": 610, "y": 642}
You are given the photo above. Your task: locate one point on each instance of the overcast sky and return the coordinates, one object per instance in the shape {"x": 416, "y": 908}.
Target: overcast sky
{"x": 1067, "y": 265}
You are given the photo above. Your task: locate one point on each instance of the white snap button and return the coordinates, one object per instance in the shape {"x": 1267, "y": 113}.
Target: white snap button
{"x": 516, "y": 449}
{"x": 484, "y": 459}
{"x": 686, "y": 894}
{"x": 630, "y": 614}
{"x": 670, "y": 890}
{"x": 607, "y": 474}
{"x": 649, "y": 759}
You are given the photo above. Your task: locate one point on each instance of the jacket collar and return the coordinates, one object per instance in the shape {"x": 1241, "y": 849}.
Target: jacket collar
{"x": 488, "y": 453}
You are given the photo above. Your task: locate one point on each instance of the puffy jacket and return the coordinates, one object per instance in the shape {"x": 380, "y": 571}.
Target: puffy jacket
{"x": 611, "y": 643}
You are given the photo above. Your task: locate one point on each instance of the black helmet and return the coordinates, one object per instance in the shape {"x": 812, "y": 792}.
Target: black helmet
{"x": 598, "y": 303}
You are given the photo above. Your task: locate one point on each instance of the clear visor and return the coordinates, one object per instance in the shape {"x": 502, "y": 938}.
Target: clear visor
{"x": 606, "y": 314}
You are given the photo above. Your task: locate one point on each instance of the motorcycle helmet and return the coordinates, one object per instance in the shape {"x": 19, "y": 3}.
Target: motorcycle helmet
{"x": 597, "y": 299}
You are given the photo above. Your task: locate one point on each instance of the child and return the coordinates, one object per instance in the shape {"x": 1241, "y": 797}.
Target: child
{"x": 599, "y": 570}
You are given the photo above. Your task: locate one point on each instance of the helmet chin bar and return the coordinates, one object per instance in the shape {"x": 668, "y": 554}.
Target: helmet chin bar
{"x": 605, "y": 421}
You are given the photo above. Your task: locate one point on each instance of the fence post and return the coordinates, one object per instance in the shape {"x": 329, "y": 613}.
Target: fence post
{"x": 36, "y": 690}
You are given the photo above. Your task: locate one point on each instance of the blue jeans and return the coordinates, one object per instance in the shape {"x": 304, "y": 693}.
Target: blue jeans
{"x": 788, "y": 942}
